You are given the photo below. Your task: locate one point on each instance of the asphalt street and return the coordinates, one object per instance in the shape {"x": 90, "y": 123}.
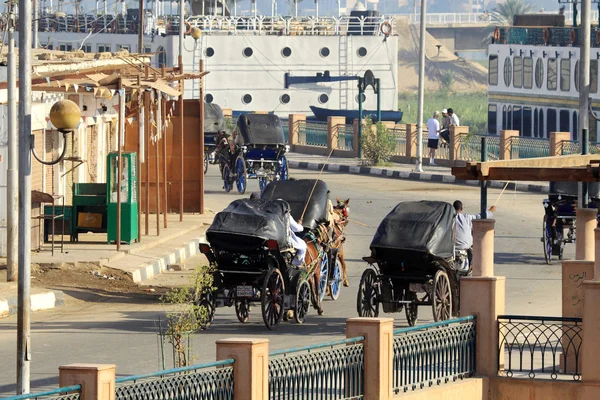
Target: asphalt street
{"x": 122, "y": 330}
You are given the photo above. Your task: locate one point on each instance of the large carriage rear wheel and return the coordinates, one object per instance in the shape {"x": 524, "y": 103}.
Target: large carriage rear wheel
{"x": 227, "y": 183}
{"x": 335, "y": 283}
{"x": 441, "y": 297}
{"x": 283, "y": 174}
{"x": 302, "y": 302}
{"x": 367, "y": 303}
{"x": 411, "y": 310}
{"x": 262, "y": 183}
{"x": 206, "y": 156}
{"x": 241, "y": 176}
{"x": 242, "y": 310}
{"x": 547, "y": 238}
{"x": 324, "y": 276}
{"x": 272, "y": 298}
{"x": 206, "y": 301}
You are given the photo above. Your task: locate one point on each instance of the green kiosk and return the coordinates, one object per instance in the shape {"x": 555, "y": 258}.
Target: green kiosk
{"x": 129, "y": 197}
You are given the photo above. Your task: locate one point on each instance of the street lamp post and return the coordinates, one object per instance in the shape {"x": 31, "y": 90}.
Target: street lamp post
{"x": 419, "y": 166}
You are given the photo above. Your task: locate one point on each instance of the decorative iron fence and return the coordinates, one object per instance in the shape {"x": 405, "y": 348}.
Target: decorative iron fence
{"x": 62, "y": 393}
{"x": 333, "y": 370}
{"x": 212, "y": 381}
{"x": 285, "y": 127}
{"x": 534, "y": 346}
{"x": 400, "y": 139}
{"x": 470, "y": 147}
{"x": 434, "y": 353}
{"x": 525, "y": 147}
{"x": 345, "y": 137}
{"x": 312, "y": 133}
{"x": 572, "y": 147}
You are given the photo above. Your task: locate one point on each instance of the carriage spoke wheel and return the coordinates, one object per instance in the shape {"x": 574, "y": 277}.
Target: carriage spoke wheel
{"x": 262, "y": 183}
{"x": 205, "y": 162}
{"x": 283, "y": 173}
{"x": 302, "y": 302}
{"x": 323, "y": 277}
{"x": 272, "y": 297}
{"x": 441, "y": 297}
{"x": 227, "y": 184}
{"x": 242, "y": 310}
{"x": 366, "y": 302}
{"x": 241, "y": 176}
{"x": 411, "y": 310}
{"x": 335, "y": 284}
{"x": 547, "y": 238}
{"x": 206, "y": 301}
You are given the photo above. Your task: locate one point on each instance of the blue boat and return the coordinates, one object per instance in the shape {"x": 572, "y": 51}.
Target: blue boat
{"x": 321, "y": 114}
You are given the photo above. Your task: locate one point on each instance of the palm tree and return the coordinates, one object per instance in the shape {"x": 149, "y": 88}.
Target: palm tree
{"x": 505, "y": 12}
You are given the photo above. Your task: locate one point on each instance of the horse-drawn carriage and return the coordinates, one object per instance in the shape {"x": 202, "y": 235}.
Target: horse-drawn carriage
{"x": 413, "y": 263}
{"x": 214, "y": 122}
{"x": 558, "y": 227}
{"x": 259, "y": 152}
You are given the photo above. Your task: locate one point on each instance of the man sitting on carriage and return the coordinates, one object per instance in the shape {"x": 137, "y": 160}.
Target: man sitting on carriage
{"x": 464, "y": 231}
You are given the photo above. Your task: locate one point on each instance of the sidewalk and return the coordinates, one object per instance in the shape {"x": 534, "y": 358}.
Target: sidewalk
{"x": 401, "y": 171}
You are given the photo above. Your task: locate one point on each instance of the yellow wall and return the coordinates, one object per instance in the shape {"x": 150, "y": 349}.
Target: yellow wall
{"x": 468, "y": 389}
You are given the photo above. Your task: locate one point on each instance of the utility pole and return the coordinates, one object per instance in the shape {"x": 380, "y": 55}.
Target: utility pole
{"x": 419, "y": 166}
{"x": 35, "y": 25}
{"x": 181, "y": 26}
{"x": 24, "y": 300}
{"x": 13, "y": 169}
{"x": 141, "y": 28}
{"x": 584, "y": 88}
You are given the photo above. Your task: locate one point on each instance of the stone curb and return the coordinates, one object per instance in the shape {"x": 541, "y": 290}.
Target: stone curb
{"x": 39, "y": 301}
{"x": 156, "y": 267}
{"x": 414, "y": 176}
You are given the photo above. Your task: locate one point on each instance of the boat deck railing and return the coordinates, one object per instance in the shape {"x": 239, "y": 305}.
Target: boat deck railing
{"x": 543, "y": 36}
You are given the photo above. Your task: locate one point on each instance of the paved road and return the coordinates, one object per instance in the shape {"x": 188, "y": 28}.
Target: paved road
{"x": 122, "y": 330}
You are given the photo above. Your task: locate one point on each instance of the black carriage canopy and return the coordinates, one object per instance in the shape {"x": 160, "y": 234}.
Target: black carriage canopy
{"x": 259, "y": 129}
{"x": 570, "y": 189}
{"x": 421, "y": 226}
{"x": 297, "y": 193}
{"x": 248, "y": 223}
{"x": 214, "y": 121}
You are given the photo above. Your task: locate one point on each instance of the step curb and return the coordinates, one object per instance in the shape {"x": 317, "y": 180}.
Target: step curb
{"x": 45, "y": 300}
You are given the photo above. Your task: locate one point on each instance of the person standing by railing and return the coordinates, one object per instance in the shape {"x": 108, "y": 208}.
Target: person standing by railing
{"x": 433, "y": 135}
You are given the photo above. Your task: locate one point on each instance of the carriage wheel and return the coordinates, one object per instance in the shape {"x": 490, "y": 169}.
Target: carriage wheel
{"x": 335, "y": 286}
{"x": 207, "y": 301}
{"x": 242, "y": 310}
{"x": 226, "y": 178}
{"x": 302, "y": 302}
{"x": 323, "y": 278}
{"x": 271, "y": 298}
{"x": 241, "y": 176}
{"x": 441, "y": 297}
{"x": 283, "y": 172}
{"x": 411, "y": 310}
{"x": 206, "y": 156}
{"x": 366, "y": 302}
{"x": 547, "y": 238}
{"x": 262, "y": 183}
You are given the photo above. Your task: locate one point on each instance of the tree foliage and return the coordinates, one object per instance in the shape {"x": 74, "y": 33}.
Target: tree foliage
{"x": 377, "y": 142}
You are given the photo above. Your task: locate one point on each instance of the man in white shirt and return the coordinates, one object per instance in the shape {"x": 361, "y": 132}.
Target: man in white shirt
{"x": 463, "y": 239}
{"x": 433, "y": 128}
{"x": 453, "y": 118}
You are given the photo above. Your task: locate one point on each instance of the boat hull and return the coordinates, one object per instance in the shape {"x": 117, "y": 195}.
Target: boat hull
{"x": 321, "y": 114}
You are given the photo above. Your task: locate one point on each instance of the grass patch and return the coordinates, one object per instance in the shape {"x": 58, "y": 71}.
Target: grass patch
{"x": 471, "y": 108}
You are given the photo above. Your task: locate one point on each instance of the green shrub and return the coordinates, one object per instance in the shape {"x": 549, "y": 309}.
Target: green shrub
{"x": 377, "y": 146}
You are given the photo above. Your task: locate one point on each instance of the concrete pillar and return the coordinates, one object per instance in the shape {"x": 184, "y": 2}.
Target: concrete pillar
{"x": 294, "y": 128}
{"x": 556, "y": 142}
{"x": 97, "y": 380}
{"x": 505, "y": 143}
{"x": 379, "y": 354}
{"x": 586, "y": 222}
{"x": 333, "y": 123}
{"x": 590, "y": 351}
{"x": 251, "y": 367}
{"x": 456, "y": 134}
{"x": 411, "y": 140}
{"x": 483, "y": 247}
{"x": 227, "y": 112}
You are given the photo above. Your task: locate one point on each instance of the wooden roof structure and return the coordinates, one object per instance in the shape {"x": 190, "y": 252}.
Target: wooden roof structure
{"x": 569, "y": 168}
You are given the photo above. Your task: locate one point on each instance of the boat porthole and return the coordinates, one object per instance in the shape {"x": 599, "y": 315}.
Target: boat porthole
{"x": 286, "y": 52}
{"x": 362, "y": 51}
{"x": 210, "y": 52}
{"x": 324, "y": 52}
{"x": 248, "y": 52}
{"x": 208, "y": 98}
{"x": 284, "y": 99}
{"x": 247, "y": 99}
{"x": 323, "y": 98}
{"x": 364, "y": 98}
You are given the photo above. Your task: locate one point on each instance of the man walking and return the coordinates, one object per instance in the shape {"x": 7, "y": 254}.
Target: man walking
{"x": 433, "y": 128}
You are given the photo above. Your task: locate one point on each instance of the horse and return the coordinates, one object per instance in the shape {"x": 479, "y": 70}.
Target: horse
{"x": 316, "y": 240}
{"x": 341, "y": 211}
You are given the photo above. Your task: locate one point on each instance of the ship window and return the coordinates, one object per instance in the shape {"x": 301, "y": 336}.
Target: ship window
{"x": 507, "y": 71}
{"x": 364, "y": 98}
{"x": 210, "y": 52}
{"x": 162, "y": 56}
{"x": 527, "y": 122}
{"x": 575, "y": 123}
{"x": 564, "y": 121}
{"x": 247, "y": 99}
{"x": 551, "y": 125}
{"x": 323, "y": 98}
{"x": 536, "y": 124}
{"x": 49, "y": 47}
{"x": 324, "y": 52}
{"x": 65, "y": 47}
{"x": 517, "y": 117}
{"x": 208, "y": 98}
{"x": 552, "y": 74}
{"x": 248, "y": 52}
{"x": 594, "y": 76}
{"x": 87, "y": 48}
{"x": 362, "y": 51}
{"x": 541, "y": 124}
{"x": 147, "y": 49}
{"x": 286, "y": 52}
{"x": 517, "y": 72}
{"x": 528, "y": 72}
{"x": 124, "y": 47}
{"x": 565, "y": 75}
{"x": 509, "y": 118}
{"x": 493, "y": 70}
{"x": 104, "y": 48}
{"x": 539, "y": 73}
{"x": 285, "y": 98}
{"x": 504, "y": 125}
{"x": 492, "y": 118}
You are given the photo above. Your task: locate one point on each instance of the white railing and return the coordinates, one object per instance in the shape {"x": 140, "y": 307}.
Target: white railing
{"x": 482, "y": 18}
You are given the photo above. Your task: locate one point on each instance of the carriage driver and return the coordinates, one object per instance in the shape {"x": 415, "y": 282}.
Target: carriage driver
{"x": 464, "y": 229}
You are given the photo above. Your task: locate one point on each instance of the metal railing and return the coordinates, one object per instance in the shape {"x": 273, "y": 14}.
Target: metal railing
{"x": 285, "y": 127}
{"x": 434, "y": 353}
{"x": 526, "y": 147}
{"x": 62, "y": 393}
{"x": 469, "y": 148}
{"x": 312, "y": 133}
{"x": 555, "y": 36}
{"x": 345, "y": 137}
{"x": 333, "y": 370}
{"x": 451, "y": 18}
{"x": 572, "y": 147}
{"x": 211, "y": 381}
{"x": 534, "y": 346}
{"x": 400, "y": 139}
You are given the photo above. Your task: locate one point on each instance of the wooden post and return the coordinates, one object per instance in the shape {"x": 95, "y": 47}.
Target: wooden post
{"x": 163, "y": 119}
{"x": 147, "y": 154}
{"x": 139, "y": 160}
{"x": 156, "y": 144}
{"x": 181, "y": 130}
{"x": 201, "y": 186}
{"x": 119, "y": 164}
